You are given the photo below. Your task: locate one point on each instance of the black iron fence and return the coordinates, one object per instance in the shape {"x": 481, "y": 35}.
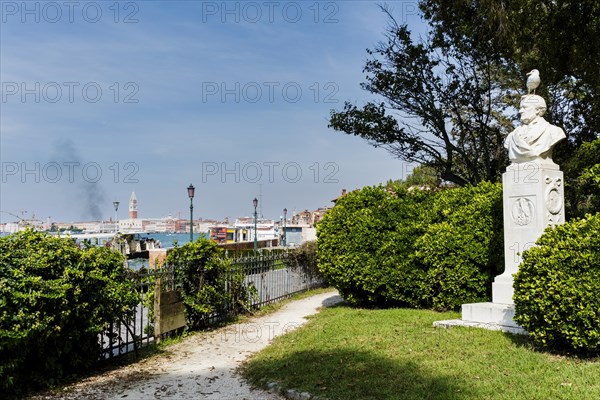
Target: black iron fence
{"x": 128, "y": 335}
{"x": 274, "y": 274}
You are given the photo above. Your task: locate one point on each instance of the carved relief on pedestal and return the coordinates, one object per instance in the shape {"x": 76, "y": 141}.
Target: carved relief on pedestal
{"x": 554, "y": 200}
{"x": 523, "y": 211}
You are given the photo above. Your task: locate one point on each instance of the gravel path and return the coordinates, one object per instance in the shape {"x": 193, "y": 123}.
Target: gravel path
{"x": 202, "y": 366}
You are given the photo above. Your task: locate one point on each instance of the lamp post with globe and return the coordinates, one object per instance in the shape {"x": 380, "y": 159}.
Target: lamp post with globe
{"x": 191, "y": 191}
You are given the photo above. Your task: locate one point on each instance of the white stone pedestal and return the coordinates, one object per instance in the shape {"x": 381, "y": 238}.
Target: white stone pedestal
{"x": 533, "y": 196}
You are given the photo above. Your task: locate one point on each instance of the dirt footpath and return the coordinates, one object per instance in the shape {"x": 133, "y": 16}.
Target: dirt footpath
{"x": 201, "y": 366}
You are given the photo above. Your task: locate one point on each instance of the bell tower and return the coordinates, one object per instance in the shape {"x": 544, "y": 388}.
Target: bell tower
{"x": 133, "y": 214}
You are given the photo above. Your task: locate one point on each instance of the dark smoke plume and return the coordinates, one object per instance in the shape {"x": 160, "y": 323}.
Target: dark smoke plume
{"x": 88, "y": 194}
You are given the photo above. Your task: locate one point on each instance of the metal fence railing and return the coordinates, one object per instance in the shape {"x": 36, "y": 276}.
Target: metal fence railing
{"x": 273, "y": 273}
{"x": 128, "y": 335}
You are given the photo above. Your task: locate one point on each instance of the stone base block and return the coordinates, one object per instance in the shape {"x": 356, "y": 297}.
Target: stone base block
{"x": 517, "y": 330}
{"x": 491, "y": 316}
{"x": 489, "y": 313}
{"x": 502, "y": 292}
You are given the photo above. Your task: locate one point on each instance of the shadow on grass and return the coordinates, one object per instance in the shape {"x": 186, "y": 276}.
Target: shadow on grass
{"x": 525, "y": 341}
{"x": 334, "y": 301}
{"x": 346, "y": 374}
{"x": 522, "y": 341}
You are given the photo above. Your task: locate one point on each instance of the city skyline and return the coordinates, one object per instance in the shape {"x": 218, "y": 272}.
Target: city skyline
{"x": 100, "y": 99}
{"x": 123, "y": 211}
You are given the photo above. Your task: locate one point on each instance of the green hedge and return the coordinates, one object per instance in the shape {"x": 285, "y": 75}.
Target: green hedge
{"x": 462, "y": 249}
{"x": 557, "y": 288}
{"x": 54, "y": 301}
{"x": 365, "y": 245}
{"x": 429, "y": 249}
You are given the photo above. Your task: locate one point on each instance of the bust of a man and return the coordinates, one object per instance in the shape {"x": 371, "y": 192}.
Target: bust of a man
{"x": 534, "y": 140}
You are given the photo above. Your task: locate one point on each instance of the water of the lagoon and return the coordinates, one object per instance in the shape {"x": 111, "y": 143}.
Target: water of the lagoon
{"x": 167, "y": 239}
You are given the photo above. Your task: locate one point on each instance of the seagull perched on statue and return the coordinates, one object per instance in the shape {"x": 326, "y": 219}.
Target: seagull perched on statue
{"x": 533, "y": 81}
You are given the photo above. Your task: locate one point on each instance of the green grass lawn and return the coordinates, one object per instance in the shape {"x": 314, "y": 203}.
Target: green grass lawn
{"x": 350, "y": 353}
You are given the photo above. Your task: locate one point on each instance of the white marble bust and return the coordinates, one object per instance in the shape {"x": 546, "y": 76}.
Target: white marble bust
{"x": 534, "y": 140}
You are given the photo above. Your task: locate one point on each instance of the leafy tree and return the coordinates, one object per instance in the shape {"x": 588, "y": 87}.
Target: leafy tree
{"x": 365, "y": 246}
{"x": 582, "y": 180}
{"x": 449, "y": 98}
{"x": 422, "y": 176}
{"x": 560, "y": 38}
{"x": 445, "y": 106}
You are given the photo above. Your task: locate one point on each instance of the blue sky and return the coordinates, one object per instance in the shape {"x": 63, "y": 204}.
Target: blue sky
{"x": 101, "y": 98}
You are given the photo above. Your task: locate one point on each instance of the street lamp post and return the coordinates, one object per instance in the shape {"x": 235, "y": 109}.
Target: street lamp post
{"x": 191, "y": 190}
{"x": 284, "y": 225}
{"x": 116, "y": 204}
{"x": 255, "y": 203}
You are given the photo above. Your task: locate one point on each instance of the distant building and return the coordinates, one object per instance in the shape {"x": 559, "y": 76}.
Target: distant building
{"x": 243, "y": 231}
{"x": 11, "y": 227}
{"x": 265, "y": 229}
{"x": 302, "y": 218}
{"x": 222, "y": 234}
{"x": 344, "y": 193}
{"x": 133, "y": 211}
{"x": 309, "y": 218}
{"x": 132, "y": 224}
{"x": 162, "y": 225}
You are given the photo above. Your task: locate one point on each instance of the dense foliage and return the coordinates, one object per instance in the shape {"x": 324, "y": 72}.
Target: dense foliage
{"x": 443, "y": 106}
{"x": 557, "y": 291}
{"x": 392, "y": 246}
{"x": 445, "y": 99}
{"x": 209, "y": 283}
{"x": 559, "y": 38}
{"x": 582, "y": 180}
{"x": 461, "y": 248}
{"x": 365, "y": 244}
{"x": 305, "y": 258}
{"x": 55, "y": 299}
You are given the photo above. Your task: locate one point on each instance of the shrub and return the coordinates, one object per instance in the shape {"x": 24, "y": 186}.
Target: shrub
{"x": 208, "y": 282}
{"x": 431, "y": 249}
{"x": 55, "y": 300}
{"x": 557, "y": 290}
{"x": 365, "y": 246}
{"x": 462, "y": 249}
{"x": 305, "y": 258}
